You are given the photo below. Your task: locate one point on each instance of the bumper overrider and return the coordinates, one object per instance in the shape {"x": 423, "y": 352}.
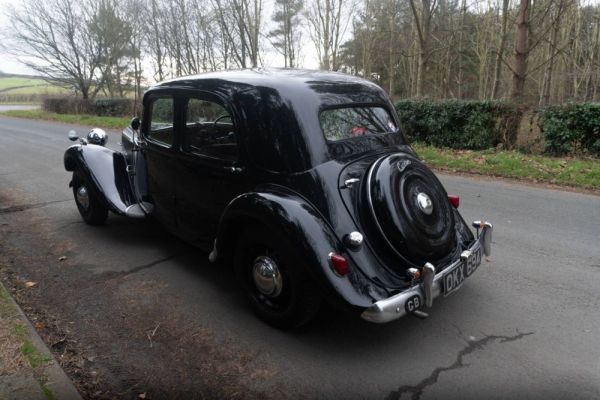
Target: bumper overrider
{"x": 430, "y": 284}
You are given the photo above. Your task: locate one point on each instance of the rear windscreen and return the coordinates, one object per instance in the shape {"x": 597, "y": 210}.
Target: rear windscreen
{"x": 348, "y": 122}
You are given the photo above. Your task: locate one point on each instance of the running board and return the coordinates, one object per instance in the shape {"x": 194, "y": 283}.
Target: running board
{"x": 139, "y": 210}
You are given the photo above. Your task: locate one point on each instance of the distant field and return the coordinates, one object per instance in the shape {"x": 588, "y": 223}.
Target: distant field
{"x": 26, "y": 89}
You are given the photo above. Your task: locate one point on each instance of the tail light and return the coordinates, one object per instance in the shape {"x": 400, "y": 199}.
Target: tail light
{"x": 339, "y": 264}
{"x": 454, "y": 200}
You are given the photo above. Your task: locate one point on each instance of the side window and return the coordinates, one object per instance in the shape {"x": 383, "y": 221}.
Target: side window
{"x": 161, "y": 121}
{"x": 209, "y": 130}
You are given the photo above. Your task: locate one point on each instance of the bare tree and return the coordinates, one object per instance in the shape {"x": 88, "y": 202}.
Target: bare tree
{"x": 521, "y": 51}
{"x": 111, "y": 33}
{"x": 328, "y": 21}
{"x": 501, "y": 49}
{"x": 286, "y": 37}
{"x": 53, "y": 37}
{"x": 134, "y": 10}
{"x": 423, "y": 17}
{"x": 241, "y": 22}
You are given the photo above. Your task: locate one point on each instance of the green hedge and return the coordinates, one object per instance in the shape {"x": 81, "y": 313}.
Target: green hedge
{"x": 100, "y": 107}
{"x": 571, "y": 128}
{"x": 459, "y": 124}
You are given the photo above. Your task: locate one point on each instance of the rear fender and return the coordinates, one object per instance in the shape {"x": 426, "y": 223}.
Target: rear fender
{"x": 105, "y": 172}
{"x": 304, "y": 228}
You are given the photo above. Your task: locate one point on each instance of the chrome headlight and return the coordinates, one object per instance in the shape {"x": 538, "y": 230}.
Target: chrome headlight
{"x": 97, "y": 136}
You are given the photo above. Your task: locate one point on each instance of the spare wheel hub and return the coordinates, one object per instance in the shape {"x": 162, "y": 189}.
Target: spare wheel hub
{"x": 424, "y": 203}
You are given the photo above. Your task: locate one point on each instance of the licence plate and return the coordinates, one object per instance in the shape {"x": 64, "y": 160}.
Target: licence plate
{"x": 457, "y": 275}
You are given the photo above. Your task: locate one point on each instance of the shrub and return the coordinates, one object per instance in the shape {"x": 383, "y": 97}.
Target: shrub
{"x": 459, "y": 124}
{"x": 113, "y": 107}
{"x": 20, "y": 98}
{"x": 100, "y": 107}
{"x": 571, "y": 128}
{"x": 67, "y": 105}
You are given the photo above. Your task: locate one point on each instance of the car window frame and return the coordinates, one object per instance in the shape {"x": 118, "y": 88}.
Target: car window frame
{"x": 147, "y": 132}
{"x": 213, "y": 98}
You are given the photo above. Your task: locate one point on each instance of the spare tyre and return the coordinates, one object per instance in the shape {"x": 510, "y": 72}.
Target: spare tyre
{"x": 410, "y": 209}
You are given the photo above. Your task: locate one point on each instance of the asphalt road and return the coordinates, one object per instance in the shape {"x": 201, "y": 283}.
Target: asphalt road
{"x": 133, "y": 310}
{"x": 10, "y": 107}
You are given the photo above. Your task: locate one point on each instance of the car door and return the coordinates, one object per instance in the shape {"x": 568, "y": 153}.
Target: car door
{"x": 209, "y": 170}
{"x": 158, "y": 146}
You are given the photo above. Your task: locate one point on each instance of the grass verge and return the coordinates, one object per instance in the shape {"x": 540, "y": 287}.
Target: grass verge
{"x": 82, "y": 119}
{"x": 16, "y": 339}
{"x": 564, "y": 171}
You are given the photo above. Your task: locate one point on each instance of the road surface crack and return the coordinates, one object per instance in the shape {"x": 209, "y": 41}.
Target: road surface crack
{"x": 120, "y": 274}
{"x": 418, "y": 389}
{"x": 23, "y": 207}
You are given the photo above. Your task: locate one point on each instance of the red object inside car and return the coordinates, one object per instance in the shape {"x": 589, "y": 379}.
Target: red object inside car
{"x": 359, "y": 131}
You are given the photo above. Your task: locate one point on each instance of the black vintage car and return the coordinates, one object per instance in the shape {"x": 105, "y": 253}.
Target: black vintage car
{"x": 301, "y": 180}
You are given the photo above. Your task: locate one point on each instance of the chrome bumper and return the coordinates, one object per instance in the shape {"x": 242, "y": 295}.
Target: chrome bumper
{"x": 428, "y": 288}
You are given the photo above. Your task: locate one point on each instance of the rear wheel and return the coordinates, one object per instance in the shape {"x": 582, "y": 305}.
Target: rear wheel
{"x": 91, "y": 208}
{"x": 279, "y": 289}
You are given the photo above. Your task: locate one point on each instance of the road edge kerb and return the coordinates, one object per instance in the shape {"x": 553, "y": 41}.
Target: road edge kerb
{"x": 515, "y": 181}
{"x": 58, "y": 383}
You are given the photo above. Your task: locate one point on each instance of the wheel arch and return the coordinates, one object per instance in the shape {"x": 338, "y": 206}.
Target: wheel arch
{"x": 105, "y": 172}
{"x": 303, "y": 227}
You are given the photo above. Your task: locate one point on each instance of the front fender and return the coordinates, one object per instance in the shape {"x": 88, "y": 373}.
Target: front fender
{"x": 105, "y": 171}
{"x": 305, "y": 229}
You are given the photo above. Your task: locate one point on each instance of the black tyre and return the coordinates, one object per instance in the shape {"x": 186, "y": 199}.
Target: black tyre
{"x": 277, "y": 284}
{"x": 92, "y": 209}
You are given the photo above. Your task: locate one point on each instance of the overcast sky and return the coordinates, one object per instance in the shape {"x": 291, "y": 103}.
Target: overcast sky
{"x": 7, "y": 62}
{"x": 307, "y": 57}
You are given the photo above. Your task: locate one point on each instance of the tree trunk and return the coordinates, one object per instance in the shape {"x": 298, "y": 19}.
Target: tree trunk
{"x": 500, "y": 52}
{"x": 521, "y": 52}
{"x": 423, "y": 23}
{"x": 547, "y": 85}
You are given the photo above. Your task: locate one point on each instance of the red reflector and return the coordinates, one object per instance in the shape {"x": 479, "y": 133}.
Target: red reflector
{"x": 339, "y": 264}
{"x": 454, "y": 200}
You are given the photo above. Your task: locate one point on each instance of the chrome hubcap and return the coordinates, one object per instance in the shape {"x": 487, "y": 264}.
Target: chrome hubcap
{"x": 83, "y": 198}
{"x": 425, "y": 203}
{"x": 267, "y": 278}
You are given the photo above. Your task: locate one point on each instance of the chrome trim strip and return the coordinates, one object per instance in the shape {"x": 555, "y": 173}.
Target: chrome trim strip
{"x": 349, "y": 182}
{"x": 393, "y": 307}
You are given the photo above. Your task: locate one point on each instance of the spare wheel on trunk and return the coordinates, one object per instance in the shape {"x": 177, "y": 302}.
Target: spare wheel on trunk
{"x": 410, "y": 208}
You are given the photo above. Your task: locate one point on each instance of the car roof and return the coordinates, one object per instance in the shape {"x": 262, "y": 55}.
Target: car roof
{"x": 281, "y": 108}
{"x": 280, "y": 79}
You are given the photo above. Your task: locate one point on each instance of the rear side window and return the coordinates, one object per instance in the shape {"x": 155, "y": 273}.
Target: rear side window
{"x": 348, "y": 122}
{"x": 209, "y": 131}
{"x": 161, "y": 121}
